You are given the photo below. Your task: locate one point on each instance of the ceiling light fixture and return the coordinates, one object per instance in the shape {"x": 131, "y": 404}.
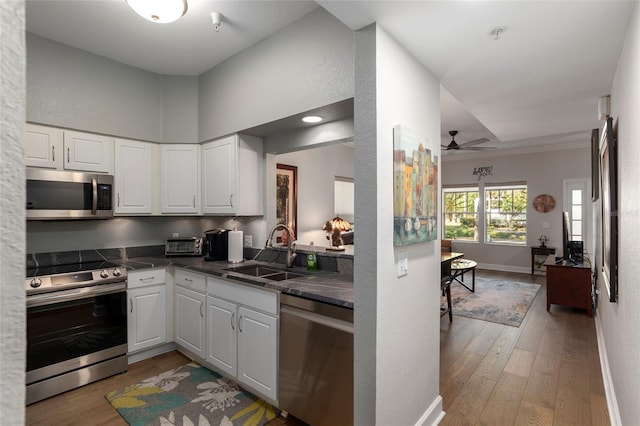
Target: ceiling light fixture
{"x": 159, "y": 11}
{"x": 312, "y": 119}
{"x": 497, "y": 32}
{"x": 216, "y": 20}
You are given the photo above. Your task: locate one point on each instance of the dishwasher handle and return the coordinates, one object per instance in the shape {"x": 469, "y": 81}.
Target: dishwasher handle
{"x": 326, "y": 321}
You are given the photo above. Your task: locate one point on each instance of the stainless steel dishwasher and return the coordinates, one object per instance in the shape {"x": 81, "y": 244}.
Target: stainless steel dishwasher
{"x": 316, "y": 361}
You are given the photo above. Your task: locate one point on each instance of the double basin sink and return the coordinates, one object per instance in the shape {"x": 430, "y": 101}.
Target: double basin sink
{"x": 266, "y": 272}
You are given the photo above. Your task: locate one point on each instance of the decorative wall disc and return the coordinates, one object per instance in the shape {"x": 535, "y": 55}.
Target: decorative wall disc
{"x": 544, "y": 203}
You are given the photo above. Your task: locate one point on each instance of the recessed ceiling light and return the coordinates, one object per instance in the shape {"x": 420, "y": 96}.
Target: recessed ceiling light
{"x": 312, "y": 119}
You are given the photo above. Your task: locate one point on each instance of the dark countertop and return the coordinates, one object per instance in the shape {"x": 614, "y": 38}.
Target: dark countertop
{"x": 328, "y": 287}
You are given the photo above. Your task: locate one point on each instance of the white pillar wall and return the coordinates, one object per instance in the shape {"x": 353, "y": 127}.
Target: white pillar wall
{"x": 12, "y": 228}
{"x": 397, "y": 320}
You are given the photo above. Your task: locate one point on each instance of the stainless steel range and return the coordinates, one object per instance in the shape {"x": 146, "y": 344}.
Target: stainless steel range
{"x": 76, "y": 326}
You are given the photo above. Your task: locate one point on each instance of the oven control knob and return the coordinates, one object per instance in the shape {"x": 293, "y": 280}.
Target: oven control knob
{"x": 104, "y": 274}
{"x": 35, "y": 283}
{"x": 117, "y": 272}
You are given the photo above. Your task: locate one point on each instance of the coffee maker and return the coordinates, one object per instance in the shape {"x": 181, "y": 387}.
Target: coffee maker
{"x": 216, "y": 243}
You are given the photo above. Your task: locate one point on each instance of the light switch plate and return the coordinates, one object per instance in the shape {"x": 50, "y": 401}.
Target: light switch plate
{"x": 402, "y": 264}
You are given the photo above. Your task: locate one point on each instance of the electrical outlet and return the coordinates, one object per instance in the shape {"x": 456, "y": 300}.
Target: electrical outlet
{"x": 546, "y": 225}
{"x": 176, "y": 235}
{"x": 248, "y": 240}
{"x": 402, "y": 264}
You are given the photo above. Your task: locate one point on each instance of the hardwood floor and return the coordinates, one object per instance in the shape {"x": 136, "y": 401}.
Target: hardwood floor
{"x": 546, "y": 372}
{"x": 87, "y": 405}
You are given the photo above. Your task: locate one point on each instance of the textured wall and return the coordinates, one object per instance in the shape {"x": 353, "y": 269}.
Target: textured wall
{"x": 397, "y": 320}
{"x": 619, "y": 321}
{"x": 12, "y": 304}
{"x": 72, "y": 88}
{"x": 304, "y": 66}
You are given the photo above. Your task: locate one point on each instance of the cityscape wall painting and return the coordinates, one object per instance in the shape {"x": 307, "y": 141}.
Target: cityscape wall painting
{"x": 415, "y": 189}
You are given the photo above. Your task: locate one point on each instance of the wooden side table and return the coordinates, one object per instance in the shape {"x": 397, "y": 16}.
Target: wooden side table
{"x": 569, "y": 285}
{"x": 540, "y": 251}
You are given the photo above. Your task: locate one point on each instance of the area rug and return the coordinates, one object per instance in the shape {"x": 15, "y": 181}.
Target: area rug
{"x": 504, "y": 302}
{"x": 189, "y": 395}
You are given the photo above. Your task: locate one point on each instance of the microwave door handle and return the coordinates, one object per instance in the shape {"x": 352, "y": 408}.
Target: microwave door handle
{"x": 94, "y": 201}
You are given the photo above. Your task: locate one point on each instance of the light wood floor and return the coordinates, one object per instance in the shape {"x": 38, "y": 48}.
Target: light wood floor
{"x": 546, "y": 372}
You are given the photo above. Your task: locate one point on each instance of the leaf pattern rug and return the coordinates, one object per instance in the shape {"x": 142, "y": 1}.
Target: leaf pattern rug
{"x": 189, "y": 395}
{"x": 504, "y": 302}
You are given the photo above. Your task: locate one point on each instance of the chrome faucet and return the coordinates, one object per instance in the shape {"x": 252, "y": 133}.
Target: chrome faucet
{"x": 291, "y": 244}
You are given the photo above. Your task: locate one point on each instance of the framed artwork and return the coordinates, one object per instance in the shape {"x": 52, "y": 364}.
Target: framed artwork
{"x": 287, "y": 196}
{"x": 595, "y": 165}
{"x": 609, "y": 196}
{"x": 544, "y": 203}
{"x": 415, "y": 189}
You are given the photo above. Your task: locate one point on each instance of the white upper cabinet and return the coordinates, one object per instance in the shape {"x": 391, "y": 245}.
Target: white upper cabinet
{"x": 180, "y": 178}
{"x": 133, "y": 164}
{"x": 43, "y": 146}
{"x": 88, "y": 152}
{"x": 233, "y": 176}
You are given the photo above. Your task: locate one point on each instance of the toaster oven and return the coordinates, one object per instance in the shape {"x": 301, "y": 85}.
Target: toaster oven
{"x": 191, "y": 246}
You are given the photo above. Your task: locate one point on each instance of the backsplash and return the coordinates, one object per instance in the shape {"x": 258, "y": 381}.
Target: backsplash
{"x": 40, "y": 260}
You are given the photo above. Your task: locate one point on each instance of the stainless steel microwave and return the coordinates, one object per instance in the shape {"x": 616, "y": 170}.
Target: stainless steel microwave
{"x": 60, "y": 195}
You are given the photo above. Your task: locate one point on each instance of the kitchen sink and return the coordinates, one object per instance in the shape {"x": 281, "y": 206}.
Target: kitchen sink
{"x": 265, "y": 272}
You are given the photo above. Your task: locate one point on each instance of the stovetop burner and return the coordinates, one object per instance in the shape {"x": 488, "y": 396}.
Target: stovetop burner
{"x": 62, "y": 277}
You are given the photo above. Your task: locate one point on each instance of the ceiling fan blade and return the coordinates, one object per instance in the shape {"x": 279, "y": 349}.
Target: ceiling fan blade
{"x": 473, "y": 142}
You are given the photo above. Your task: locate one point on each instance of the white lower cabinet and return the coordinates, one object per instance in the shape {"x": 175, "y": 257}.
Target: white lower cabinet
{"x": 190, "y": 310}
{"x": 257, "y": 351}
{"x": 242, "y": 334}
{"x": 147, "y": 309}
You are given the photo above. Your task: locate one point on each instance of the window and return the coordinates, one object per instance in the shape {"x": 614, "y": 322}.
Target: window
{"x": 461, "y": 213}
{"x": 506, "y": 214}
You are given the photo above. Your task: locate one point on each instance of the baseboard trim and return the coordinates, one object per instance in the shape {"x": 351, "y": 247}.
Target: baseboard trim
{"x": 609, "y": 390}
{"x": 150, "y": 353}
{"x": 434, "y": 414}
{"x": 504, "y": 268}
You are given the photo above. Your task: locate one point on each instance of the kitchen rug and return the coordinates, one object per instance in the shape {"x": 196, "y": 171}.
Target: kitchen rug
{"x": 504, "y": 302}
{"x": 189, "y": 395}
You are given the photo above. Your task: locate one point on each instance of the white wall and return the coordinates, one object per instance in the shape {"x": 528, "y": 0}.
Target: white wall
{"x": 397, "y": 320}
{"x": 619, "y": 333}
{"x": 317, "y": 169}
{"x": 69, "y": 87}
{"x": 12, "y": 303}
{"x": 306, "y": 65}
{"x": 544, "y": 173}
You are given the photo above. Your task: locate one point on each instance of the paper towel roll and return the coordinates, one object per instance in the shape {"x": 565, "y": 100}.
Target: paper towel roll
{"x": 235, "y": 247}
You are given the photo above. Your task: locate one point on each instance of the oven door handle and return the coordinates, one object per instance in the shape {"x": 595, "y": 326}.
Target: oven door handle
{"x": 74, "y": 294}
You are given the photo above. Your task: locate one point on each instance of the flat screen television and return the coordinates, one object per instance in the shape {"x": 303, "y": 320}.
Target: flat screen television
{"x": 567, "y": 253}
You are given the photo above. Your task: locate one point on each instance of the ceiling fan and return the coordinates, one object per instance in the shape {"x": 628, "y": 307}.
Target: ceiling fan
{"x": 467, "y": 146}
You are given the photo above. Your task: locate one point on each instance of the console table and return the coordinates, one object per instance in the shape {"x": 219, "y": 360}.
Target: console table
{"x": 569, "y": 285}
{"x": 540, "y": 251}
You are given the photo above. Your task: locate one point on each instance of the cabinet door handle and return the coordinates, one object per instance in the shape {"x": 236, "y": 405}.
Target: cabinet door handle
{"x": 194, "y": 200}
{"x": 68, "y": 155}
{"x": 53, "y": 153}
{"x": 233, "y": 315}
{"x": 231, "y": 199}
{"x": 240, "y": 323}
{"x": 201, "y": 314}
{"x": 188, "y": 280}
{"x": 147, "y": 279}
{"x": 131, "y": 303}
{"x": 118, "y": 199}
